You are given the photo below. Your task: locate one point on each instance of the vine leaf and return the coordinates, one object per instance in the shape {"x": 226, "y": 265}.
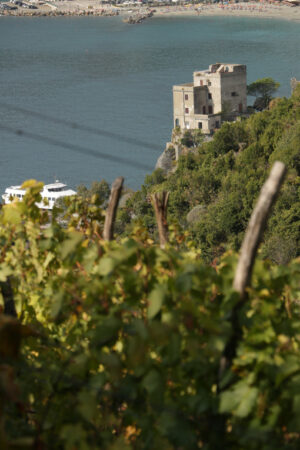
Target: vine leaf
{"x": 240, "y": 400}
{"x": 156, "y": 299}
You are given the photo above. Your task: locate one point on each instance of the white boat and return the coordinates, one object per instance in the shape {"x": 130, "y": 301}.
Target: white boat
{"x": 50, "y": 193}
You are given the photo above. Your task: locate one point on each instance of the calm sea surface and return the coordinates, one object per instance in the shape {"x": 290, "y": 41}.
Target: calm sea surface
{"x": 117, "y": 80}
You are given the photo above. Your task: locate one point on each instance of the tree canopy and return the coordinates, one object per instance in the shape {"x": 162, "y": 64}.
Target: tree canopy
{"x": 263, "y": 89}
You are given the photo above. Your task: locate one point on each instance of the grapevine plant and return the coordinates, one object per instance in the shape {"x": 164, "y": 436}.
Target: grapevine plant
{"x": 119, "y": 345}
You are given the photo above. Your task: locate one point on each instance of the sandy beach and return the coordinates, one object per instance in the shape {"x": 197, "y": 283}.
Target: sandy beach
{"x": 94, "y": 7}
{"x": 255, "y": 9}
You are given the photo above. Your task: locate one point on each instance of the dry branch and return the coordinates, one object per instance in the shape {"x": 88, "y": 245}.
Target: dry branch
{"x": 256, "y": 227}
{"x": 160, "y": 202}
{"x": 116, "y": 189}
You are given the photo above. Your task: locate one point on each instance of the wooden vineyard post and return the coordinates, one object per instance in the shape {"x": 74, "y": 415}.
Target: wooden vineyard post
{"x": 160, "y": 202}
{"x": 252, "y": 239}
{"x": 115, "y": 193}
{"x": 8, "y": 298}
{"x": 256, "y": 227}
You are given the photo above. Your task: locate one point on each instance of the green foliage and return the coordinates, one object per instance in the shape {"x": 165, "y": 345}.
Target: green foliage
{"x": 192, "y": 138}
{"x": 100, "y": 189}
{"x": 124, "y": 342}
{"x": 155, "y": 178}
{"x": 287, "y": 149}
{"x": 228, "y": 138}
{"x": 263, "y": 89}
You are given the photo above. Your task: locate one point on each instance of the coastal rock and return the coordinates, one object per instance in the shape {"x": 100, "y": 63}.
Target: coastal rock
{"x": 166, "y": 159}
{"x": 138, "y": 18}
{"x": 124, "y": 198}
{"x": 195, "y": 214}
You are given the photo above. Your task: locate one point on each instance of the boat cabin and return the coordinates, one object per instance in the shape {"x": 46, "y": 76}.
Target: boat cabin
{"x": 50, "y": 193}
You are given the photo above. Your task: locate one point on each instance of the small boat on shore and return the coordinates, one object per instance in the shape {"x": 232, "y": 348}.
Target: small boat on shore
{"x": 50, "y": 194}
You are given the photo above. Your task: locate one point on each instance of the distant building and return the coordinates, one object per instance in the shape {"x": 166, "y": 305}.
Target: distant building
{"x": 221, "y": 88}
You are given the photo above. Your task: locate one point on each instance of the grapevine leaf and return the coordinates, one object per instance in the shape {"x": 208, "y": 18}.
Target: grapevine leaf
{"x": 70, "y": 244}
{"x": 156, "y": 299}
{"x": 239, "y": 401}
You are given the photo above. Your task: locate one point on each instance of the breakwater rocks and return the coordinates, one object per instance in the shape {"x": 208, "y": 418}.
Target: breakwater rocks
{"x": 138, "y": 18}
{"x": 54, "y": 13}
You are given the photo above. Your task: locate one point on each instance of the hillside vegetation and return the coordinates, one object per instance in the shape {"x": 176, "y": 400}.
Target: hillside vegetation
{"x": 223, "y": 177}
{"x": 124, "y": 345}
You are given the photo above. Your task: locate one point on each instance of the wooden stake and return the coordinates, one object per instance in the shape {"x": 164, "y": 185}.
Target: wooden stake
{"x": 160, "y": 202}
{"x": 256, "y": 227}
{"x": 8, "y": 298}
{"x": 253, "y": 236}
{"x": 116, "y": 189}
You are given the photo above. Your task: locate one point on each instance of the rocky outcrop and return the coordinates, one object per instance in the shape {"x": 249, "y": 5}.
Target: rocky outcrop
{"x": 195, "y": 214}
{"x": 167, "y": 159}
{"x": 174, "y": 149}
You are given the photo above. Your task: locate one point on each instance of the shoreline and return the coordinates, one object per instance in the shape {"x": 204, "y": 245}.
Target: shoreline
{"x": 257, "y": 10}
{"x": 94, "y": 8}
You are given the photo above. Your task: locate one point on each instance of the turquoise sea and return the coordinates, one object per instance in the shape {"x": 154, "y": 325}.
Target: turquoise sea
{"x": 113, "y": 82}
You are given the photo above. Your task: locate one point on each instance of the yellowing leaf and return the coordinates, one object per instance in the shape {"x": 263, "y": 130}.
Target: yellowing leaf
{"x": 32, "y": 183}
{"x": 5, "y": 272}
{"x": 12, "y": 214}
